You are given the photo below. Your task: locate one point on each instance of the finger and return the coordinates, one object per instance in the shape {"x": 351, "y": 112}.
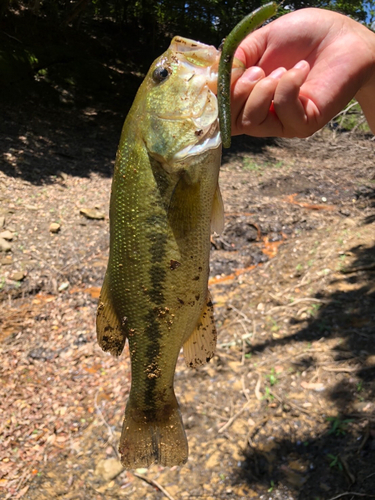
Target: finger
{"x": 289, "y": 104}
{"x": 251, "y": 49}
{"x": 258, "y": 104}
{"x": 243, "y": 88}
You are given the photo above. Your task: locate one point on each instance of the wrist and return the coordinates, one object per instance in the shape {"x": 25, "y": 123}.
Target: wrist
{"x": 366, "y": 94}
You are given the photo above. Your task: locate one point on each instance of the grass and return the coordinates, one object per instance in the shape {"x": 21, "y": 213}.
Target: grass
{"x": 268, "y": 394}
{"x": 271, "y": 488}
{"x": 335, "y": 461}
{"x": 272, "y": 378}
{"x": 339, "y": 426}
{"x": 252, "y": 166}
{"x": 313, "y": 311}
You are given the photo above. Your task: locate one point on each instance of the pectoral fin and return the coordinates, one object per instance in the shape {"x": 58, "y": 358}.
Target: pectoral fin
{"x": 217, "y": 216}
{"x": 110, "y": 333}
{"x": 200, "y": 346}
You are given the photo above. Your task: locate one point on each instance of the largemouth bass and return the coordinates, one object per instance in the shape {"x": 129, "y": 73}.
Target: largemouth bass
{"x": 165, "y": 202}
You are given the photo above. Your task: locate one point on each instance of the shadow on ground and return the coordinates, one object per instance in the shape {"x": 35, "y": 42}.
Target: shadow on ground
{"x": 342, "y": 457}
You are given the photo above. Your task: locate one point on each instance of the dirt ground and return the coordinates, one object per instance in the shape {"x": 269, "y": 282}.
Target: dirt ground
{"x": 285, "y": 410}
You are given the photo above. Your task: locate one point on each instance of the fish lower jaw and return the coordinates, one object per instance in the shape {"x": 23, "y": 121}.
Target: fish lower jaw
{"x": 206, "y": 143}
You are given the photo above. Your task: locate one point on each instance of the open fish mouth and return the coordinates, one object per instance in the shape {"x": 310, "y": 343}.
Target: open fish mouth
{"x": 209, "y": 140}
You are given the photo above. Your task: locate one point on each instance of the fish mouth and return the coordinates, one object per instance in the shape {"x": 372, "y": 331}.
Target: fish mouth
{"x": 211, "y": 139}
{"x": 197, "y": 53}
{"x": 198, "y": 58}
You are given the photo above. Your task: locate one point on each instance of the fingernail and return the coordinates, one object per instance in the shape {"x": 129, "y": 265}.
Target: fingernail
{"x": 300, "y": 65}
{"x": 253, "y": 74}
{"x": 277, "y": 73}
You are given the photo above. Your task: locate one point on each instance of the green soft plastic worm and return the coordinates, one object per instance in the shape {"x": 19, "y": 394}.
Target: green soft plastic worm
{"x": 232, "y": 41}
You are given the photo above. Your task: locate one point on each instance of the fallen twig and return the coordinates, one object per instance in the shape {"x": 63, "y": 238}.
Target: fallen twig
{"x": 244, "y": 390}
{"x": 364, "y": 441}
{"x": 353, "y": 493}
{"x": 110, "y": 431}
{"x": 291, "y": 199}
{"x": 154, "y": 483}
{"x": 338, "y": 369}
{"x": 232, "y": 419}
{"x": 255, "y": 428}
{"x": 232, "y": 276}
{"x": 240, "y": 312}
{"x": 257, "y": 392}
{"x": 297, "y": 301}
{"x": 347, "y": 470}
{"x": 357, "y": 269}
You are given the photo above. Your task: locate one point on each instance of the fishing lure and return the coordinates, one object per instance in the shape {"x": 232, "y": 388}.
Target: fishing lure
{"x": 232, "y": 41}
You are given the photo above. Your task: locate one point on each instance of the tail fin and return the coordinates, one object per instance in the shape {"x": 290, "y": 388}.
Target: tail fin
{"x": 161, "y": 440}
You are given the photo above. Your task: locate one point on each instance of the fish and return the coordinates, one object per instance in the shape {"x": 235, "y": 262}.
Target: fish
{"x": 165, "y": 203}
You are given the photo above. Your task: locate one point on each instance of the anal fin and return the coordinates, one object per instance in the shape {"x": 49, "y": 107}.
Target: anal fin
{"x": 110, "y": 333}
{"x": 201, "y": 345}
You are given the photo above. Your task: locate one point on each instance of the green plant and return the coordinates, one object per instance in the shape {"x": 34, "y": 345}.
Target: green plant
{"x": 268, "y": 394}
{"x": 335, "y": 461}
{"x": 275, "y": 327}
{"x": 272, "y": 377}
{"x": 249, "y": 164}
{"x": 339, "y": 426}
{"x": 341, "y": 264}
{"x": 272, "y": 483}
{"x": 314, "y": 309}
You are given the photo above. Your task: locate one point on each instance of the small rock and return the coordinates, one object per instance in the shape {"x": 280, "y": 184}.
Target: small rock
{"x": 81, "y": 339}
{"x": 6, "y": 235}
{"x": 17, "y": 276}
{"x": 41, "y": 353}
{"x": 108, "y": 468}
{"x": 63, "y": 175}
{"x": 92, "y": 213}
{"x": 345, "y": 212}
{"x": 6, "y": 261}
{"x": 4, "y": 245}
{"x": 64, "y": 286}
{"x": 54, "y": 227}
{"x": 141, "y": 470}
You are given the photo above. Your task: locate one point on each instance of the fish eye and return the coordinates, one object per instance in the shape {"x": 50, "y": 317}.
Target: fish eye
{"x": 160, "y": 74}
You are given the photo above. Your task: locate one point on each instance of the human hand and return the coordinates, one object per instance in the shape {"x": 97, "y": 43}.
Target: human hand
{"x": 302, "y": 69}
